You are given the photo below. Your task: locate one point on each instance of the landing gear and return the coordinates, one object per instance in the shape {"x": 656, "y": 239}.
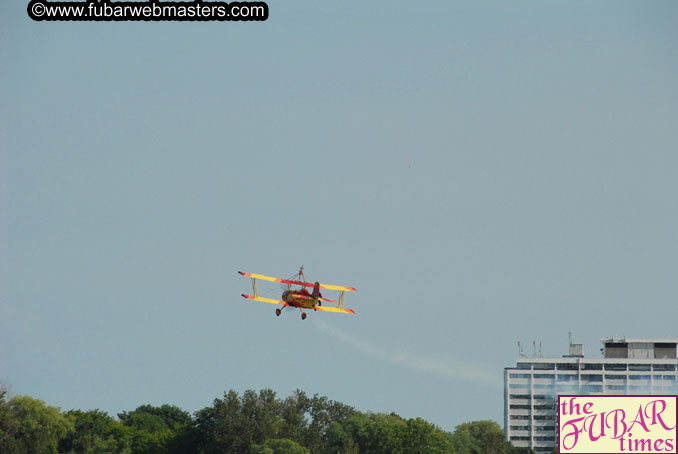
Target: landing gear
{"x": 303, "y": 315}
{"x": 277, "y": 312}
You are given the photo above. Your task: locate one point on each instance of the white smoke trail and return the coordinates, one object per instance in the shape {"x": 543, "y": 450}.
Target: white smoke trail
{"x": 433, "y": 366}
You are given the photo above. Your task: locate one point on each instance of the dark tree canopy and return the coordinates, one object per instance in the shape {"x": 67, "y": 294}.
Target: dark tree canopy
{"x": 251, "y": 423}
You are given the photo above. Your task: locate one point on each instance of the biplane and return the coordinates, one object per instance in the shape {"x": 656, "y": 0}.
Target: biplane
{"x": 300, "y": 297}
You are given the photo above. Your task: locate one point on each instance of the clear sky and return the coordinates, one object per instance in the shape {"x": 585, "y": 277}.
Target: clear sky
{"x": 482, "y": 172}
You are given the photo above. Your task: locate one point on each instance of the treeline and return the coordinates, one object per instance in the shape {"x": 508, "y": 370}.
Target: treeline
{"x": 251, "y": 423}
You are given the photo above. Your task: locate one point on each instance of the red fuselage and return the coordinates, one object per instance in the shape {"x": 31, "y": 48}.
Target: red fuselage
{"x": 302, "y": 298}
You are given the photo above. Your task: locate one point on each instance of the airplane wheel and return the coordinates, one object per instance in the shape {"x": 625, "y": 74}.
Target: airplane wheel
{"x": 303, "y": 316}
{"x": 277, "y": 312}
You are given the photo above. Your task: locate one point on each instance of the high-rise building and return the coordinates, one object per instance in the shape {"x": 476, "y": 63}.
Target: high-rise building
{"x": 628, "y": 366}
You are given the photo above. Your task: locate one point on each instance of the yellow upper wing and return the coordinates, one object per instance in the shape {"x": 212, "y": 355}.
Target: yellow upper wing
{"x": 307, "y": 284}
{"x": 337, "y": 287}
{"x": 261, "y": 276}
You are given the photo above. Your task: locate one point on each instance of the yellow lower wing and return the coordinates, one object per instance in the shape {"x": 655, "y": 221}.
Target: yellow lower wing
{"x": 334, "y": 309}
{"x": 265, "y": 300}
{"x": 317, "y": 308}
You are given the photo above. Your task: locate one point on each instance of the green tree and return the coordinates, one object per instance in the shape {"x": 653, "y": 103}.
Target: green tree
{"x": 218, "y": 426}
{"x": 278, "y": 446}
{"x": 156, "y": 430}
{"x": 423, "y": 437}
{"x": 480, "y": 437}
{"x": 27, "y": 425}
{"x": 260, "y": 416}
{"x": 155, "y": 419}
{"x": 384, "y": 433}
{"x": 339, "y": 440}
{"x": 293, "y": 416}
{"x": 254, "y": 423}
{"x": 379, "y": 433}
{"x": 322, "y": 413}
{"x": 91, "y": 433}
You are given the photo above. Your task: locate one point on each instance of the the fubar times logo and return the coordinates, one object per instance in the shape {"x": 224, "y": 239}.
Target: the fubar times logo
{"x": 617, "y": 424}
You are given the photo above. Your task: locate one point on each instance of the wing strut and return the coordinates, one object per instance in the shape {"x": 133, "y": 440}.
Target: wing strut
{"x": 254, "y": 287}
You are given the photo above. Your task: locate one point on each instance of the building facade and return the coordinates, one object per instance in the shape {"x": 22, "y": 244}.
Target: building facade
{"x": 628, "y": 366}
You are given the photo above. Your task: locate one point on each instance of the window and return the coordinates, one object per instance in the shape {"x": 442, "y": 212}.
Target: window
{"x": 519, "y": 417}
{"x": 544, "y": 407}
{"x": 589, "y": 389}
{"x": 519, "y": 375}
{"x": 562, "y": 377}
{"x": 519, "y": 396}
{"x": 519, "y": 407}
{"x": 544, "y": 366}
{"x": 574, "y": 387}
{"x": 616, "y": 350}
{"x": 639, "y": 367}
{"x": 518, "y": 427}
{"x": 589, "y": 366}
{"x": 568, "y": 366}
{"x": 592, "y": 378}
{"x": 615, "y": 366}
{"x": 615, "y": 377}
{"x": 549, "y": 376}
{"x": 616, "y": 387}
{"x": 639, "y": 377}
{"x": 665, "y": 350}
{"x": 545, "y": 438}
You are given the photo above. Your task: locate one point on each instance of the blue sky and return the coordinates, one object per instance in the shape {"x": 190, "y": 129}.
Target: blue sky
{"x": 483, "y": 173}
